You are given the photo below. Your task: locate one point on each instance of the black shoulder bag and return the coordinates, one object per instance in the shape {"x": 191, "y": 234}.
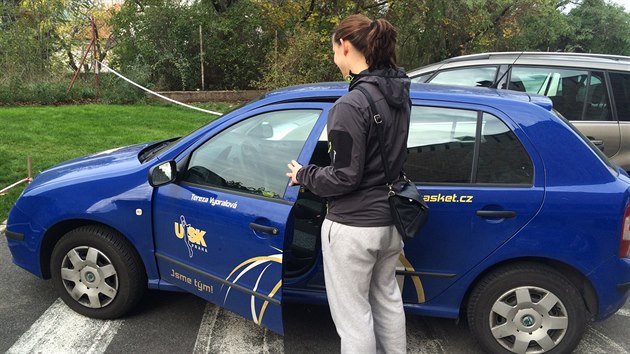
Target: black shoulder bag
{"x": 407, "y": 207}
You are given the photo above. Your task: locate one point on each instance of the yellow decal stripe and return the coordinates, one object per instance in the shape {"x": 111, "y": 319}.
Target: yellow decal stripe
{"x": 414, "y": 278}
{"x": 252, "y": 260}
{"x": 264, "y": 306}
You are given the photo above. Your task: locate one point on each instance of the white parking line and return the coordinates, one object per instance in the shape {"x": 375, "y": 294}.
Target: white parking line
{"x": 221, "y": 331}
{"x": 203, "y": 344}
{"x": 595, "y": 342}
{"x": 623, "y": 312}
{"x": 61, "y": 330}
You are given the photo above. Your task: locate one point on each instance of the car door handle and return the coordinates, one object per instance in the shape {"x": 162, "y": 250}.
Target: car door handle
{"x": 262, "y": 228}
{"x": 502, "y": 214}
{"x": 597, "y": 142}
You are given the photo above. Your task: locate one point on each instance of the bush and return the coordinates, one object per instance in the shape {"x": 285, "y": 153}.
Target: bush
{"x": 50, "y": 91}
{"x": 115, "y": 90}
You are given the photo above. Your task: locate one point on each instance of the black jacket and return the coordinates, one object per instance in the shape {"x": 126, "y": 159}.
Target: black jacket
{"x": 355, "y": 182}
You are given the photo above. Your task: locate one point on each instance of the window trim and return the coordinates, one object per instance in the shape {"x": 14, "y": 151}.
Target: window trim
{"x": 611, "y": 94}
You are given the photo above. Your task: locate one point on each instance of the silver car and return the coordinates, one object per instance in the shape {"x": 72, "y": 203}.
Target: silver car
{"x": 591, "y": 90}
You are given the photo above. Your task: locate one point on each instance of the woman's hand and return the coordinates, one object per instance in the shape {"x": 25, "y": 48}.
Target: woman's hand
{"x": 294, "y": 167}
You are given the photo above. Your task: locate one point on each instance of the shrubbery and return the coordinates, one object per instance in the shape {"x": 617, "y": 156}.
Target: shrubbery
{"x": 268, "y": 44}
{"x": 53, "y": 91}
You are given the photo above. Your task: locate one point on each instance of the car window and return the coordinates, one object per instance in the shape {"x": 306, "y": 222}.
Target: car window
{"x": 574, "y": 93}
{"x": 621, "y": 92}
{"x": 251, "y": 155}
{"x": 441, "y": 148}
{"x": 502, "y": 158}
{"x": 597, "y": 101}
{"x": 422, "y": 78}
{"x": 482, "y": 76}
{"x": 441, "y": 145}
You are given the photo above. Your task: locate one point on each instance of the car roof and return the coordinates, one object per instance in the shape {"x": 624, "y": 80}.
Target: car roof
{"x": 582, "y": 60}
{"x": 331, "y": 91}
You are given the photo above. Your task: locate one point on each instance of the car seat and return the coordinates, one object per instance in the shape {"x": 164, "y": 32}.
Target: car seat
{"x": 567, "y": 104}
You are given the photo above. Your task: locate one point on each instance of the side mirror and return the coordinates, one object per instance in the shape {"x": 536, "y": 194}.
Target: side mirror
{"x": 163, "y": 173}
{"x": 264, "y": 131}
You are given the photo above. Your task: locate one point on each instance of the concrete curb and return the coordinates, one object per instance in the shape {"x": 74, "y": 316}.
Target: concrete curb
{"x": 3, "y": 228}
{"x": 212, "y": 96}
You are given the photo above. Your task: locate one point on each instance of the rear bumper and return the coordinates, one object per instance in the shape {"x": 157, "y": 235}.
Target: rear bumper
{"x": 611, "y": 281}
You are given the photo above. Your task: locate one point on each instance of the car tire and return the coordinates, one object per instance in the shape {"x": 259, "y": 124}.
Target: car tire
{"x": 526, "y": 308}
{"x": 97, "y": 273}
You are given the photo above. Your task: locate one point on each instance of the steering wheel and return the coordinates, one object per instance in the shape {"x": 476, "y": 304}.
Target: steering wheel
{"x": 251, "y": 157}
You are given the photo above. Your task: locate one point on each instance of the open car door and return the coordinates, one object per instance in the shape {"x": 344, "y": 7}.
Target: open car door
{"x": 220, "y": 229}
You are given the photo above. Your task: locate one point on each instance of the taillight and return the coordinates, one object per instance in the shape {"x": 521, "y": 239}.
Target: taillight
{"x": 624, "y": 247}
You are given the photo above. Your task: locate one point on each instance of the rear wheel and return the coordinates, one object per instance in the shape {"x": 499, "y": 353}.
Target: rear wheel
{"x": 528, "y": 308}
{"x": 97, "y": 273}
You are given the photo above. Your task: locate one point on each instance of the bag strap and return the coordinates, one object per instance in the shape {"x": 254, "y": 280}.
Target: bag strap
{"x": 381, "y": 139}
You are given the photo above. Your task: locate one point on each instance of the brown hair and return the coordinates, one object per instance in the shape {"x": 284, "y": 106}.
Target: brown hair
{"x": 376, "y": 40}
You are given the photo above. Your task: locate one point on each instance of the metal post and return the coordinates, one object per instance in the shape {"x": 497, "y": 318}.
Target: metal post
{"x": 203, "y": 85}
{"x": 76, "y": 73}
{"x": 29, "y": 179}
{"x": 29, "y": 169}
{"x": 95, "y": 57}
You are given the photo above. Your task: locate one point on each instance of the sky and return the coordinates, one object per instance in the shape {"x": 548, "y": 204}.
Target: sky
{"x": 624, "y": 3}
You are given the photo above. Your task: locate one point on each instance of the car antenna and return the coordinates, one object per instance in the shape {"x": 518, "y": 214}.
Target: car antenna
{"x": 496, "y": 84}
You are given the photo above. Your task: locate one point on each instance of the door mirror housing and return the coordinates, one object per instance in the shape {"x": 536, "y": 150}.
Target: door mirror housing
{"x": 263, "y": 131}
{"x": 163, "y": 173}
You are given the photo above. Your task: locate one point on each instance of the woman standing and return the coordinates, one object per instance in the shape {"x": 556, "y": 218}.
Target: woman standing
{"x": 360, "y": 245}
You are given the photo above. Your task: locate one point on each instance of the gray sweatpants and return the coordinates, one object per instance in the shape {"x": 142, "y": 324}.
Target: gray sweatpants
{"x": 364, "y": 298}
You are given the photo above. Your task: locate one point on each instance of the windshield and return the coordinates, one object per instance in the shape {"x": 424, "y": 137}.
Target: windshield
{"x": 158, "y": 147}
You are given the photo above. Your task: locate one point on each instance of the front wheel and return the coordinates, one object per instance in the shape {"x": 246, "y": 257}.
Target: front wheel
{"x": 527, "y": 308}
{"x": 97, "y": 273}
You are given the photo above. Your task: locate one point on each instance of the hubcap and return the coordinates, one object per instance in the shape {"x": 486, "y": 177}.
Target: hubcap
{"x": 528, "y": 320}
{"x": 89, "y": 277}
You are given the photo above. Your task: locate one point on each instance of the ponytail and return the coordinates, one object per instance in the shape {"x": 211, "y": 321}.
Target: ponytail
{"x": 381, "y": 45}
{"x": 376, "y": 40}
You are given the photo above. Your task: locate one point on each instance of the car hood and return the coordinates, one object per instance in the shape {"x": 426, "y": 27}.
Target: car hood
{"x": 99, "y": 165}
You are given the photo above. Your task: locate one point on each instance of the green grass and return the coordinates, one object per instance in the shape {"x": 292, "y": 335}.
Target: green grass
{"x": 51, "y": 135}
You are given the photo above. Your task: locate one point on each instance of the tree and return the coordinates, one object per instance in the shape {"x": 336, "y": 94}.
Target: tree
{"x": 38, "y": 36}
{"x": 598, "y": 27}
{"x": 273, "y": 43}
{"x": 29, "y": 37}
{"x": 160, "y": 38}
{"x": 76, "y": 32}
{"x": 428, "y": 31}
{"x": 432, "y": 30}
{"x": 302, "y": 39}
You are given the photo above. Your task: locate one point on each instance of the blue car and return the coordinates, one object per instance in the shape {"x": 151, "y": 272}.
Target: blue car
{"x": 528, "y": 235}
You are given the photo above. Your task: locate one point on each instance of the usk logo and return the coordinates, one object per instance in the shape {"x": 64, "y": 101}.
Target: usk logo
{"x": 194, "y": 238}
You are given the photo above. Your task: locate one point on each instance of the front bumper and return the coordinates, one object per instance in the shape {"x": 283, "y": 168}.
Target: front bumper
{"x": 16, "y": 236}
{"x": 24, "y": 241}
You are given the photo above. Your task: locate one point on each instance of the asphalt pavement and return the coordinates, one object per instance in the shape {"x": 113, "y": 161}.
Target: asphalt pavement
{"x": 34, "y": 319}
